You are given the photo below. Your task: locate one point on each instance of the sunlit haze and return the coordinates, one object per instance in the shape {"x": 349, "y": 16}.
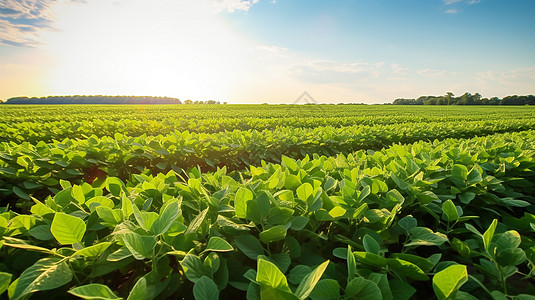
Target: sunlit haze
{"x": 267, "y": 51}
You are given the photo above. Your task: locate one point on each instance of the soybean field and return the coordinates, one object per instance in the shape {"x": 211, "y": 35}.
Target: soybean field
{"x": 267, "y": 202}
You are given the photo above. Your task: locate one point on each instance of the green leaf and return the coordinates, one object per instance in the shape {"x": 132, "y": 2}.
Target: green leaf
{"x": 275, "y": 233}
{"x": 139, "y": 291}
{"x": 508, "y": 240}
{"x": 5, "y": 280}
{"x": 489, "y": 234}
{"x": 267, "y": 274}
{"x": 407, "y": 269}
{"x": 93, "y": 251}
{"x": 141, "y": 246}
{"x": 197, "y": 222}
{"x": 41, "y": 232}
{"x": 450, "y": 211}
{"x": 370, "y": 259}
{"x": 305, "y": 191}
{"x": 166, "y": 218}
{"x": 218, "y": 244}
{"x": 422, "y": 236}
{"x": 45, "y": 274}
{"x": 249, "y": 245}
{"x": 194, "y": 268}
{"x": 78, "y": 193}
{"x": 408, "y": 223}
{"x": 205, "y": 289}
{"x": 289, "y": 163}
{"x": 370, "y": 244}
{"x": 351, "y": 264}
{"x": 240, "y": 202}
{"x": 474, "y": 176}
{"x": 401, "y": 290}
{"x": 94, "y": 291}
{"x": 309, "y": 282}
{"x": 67, "y": 229}
{"x": 449, "y": 280}
{"x": 326, "y": 289}
{"x": 363, "y": 289}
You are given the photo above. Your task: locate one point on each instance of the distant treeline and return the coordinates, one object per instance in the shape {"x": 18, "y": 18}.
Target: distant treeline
{"x": 94, "y": 100}
{"x": 467, "y": 99}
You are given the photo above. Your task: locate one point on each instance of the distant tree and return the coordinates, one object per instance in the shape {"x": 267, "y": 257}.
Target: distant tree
{"x": 225, "y": 102}
{"x": 211, "y": 102}
{"x": 188, "y": 102}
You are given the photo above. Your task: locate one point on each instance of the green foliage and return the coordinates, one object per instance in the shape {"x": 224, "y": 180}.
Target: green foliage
{"x": 451, "y": 216}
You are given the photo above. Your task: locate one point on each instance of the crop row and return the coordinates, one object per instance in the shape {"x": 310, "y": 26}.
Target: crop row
{"x": 26, "y": 168}
{"x": 34, "y": 132}
{"x": 450, "y": 218}
{"x": 13, "y": 114}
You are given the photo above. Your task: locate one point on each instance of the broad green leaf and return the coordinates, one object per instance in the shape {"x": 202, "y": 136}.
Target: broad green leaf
{"x": 166, "y": 218}
{"x": 370, "y": 259}
{"x": 5, "y": 280}
{"x": 78, "y": 193}
{"x": 289, "y": 163}
{"x": 240, "y": 202}
{"x": 407, "y": 269}
{"x": 474, "y": 176}
{"x": 382, "y": 283}
{"x": 326, "y": 289}
{"x": 508, "y": 240}
{"x": 309, "y": 282}
{"x": 205, "y": 289}
{"x": 267, "y": 274}
{"x": 450, "y": 211}
{"x": 401, "y": 290}
{"x": 408, "y": 223}
{"x": 275, "y": 233}
{"x": 45, "y": 274}
{"x": 305, "y": 191}
{"x": 67, "y": 229}
{"x": 218, "y": 244}
{"x": 196, "y": 222}
{"x": 93, "y": 251}
{"x": 449, "y": 280}
{"x": 94, "y": 291}
{"x": 141, "y": 246}
{"x": 422, "y": 236}
{"x": 41, "y": 232}
{"x": 249, "y": 245}
{"x": 194, "y": 268}
{"x": 363, "y": 289}
{"x": 139, "y": 291}
{"x": 370, "y": 244}
{"x": 489, "y": 234}
{"x": 298, "y": 273}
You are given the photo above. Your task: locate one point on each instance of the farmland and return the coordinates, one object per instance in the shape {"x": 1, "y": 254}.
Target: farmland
{"x": 267, "y": 202}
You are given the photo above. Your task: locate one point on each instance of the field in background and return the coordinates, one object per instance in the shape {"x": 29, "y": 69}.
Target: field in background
{"x": 267, "y": 202}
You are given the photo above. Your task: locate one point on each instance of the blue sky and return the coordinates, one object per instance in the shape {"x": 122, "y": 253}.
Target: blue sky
{"x": 256, "y": 51}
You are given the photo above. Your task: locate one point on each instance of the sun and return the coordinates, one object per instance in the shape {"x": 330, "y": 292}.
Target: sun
{"x": 173, "y": 48}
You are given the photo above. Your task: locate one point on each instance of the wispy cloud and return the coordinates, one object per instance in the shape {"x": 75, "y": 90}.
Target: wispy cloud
{"x": 452, "y": 11}
{"x": 449, "y": 2}
{"x": 433, "y": 72}
{"x": 234, "y": 5}
{"x": 22, "y": 20}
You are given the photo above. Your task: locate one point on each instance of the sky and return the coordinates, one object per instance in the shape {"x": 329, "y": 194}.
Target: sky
{"x": 267, "y": 51}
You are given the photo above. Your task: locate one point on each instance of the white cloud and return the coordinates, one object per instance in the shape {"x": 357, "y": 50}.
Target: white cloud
{"x": 22, "y": 20}
{"x": 449, "y": 2}
{"x": 452, "y": 11}
{"x": 397, "y": 69}
{"x": 233, "y": 5}
{"x": 471, "y": 2}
